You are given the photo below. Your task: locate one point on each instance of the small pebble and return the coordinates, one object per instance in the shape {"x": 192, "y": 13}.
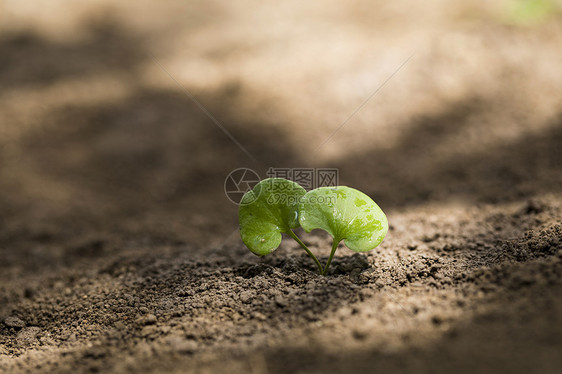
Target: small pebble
{"x": 245, "y": 297}
{"x": 28, "y": 335}
{"x": 182, "y": 345}
{"x": 14, "y": 322}
{"x": 280, "y": 301}
{"x": 150, "y": 319}
{"x": 148, "y": 331}
{"x": 259, "y": 316}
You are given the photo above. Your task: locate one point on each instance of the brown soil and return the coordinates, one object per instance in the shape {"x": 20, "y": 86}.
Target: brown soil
{"x": 119, "y": 250}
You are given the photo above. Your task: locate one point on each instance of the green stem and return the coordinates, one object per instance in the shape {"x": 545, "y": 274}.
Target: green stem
{"x": 334, "y": 247}
{"x": 294, "y": 236}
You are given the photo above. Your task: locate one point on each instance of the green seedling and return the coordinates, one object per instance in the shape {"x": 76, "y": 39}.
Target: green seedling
{"x": 276, "y": 206}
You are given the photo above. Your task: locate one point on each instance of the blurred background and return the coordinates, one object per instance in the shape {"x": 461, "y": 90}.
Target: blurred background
{"x": 101, "y": 142}
{"x": 117, "y": 128}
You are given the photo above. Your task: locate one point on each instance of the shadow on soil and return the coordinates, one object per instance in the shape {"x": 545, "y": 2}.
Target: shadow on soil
{"x": 27, "y": 59}
{"x": 415, "y": 172}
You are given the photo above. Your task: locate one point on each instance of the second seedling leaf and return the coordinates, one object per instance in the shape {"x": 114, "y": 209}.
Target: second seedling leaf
{"x": 346, "y": 214}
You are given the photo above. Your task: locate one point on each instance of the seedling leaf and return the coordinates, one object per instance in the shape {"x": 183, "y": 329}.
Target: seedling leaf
{"x": 269, "y": 209}
{"x": 346, "y": 214}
